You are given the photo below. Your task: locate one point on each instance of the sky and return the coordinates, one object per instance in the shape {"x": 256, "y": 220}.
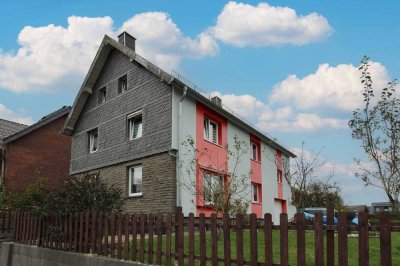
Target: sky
{"x": 290, "y": 67}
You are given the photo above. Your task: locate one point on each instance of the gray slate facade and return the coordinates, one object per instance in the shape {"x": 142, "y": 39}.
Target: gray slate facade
{"x": 145, "y": 92}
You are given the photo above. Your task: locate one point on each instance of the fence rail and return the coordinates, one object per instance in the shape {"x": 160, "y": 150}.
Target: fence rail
{"x": 166, "y": 239}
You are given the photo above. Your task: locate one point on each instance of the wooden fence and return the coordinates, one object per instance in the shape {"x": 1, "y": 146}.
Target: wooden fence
{"x": 6, "y": 222}
{"x": 166, "y": 239}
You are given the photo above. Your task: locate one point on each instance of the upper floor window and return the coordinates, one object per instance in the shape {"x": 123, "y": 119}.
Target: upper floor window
{"x": 102, "y": 95}
{"x": 254, "y": 149}
{"x": 122, "y": 84}
{"x": 93, "y": 140}
{"x": 212, "y": 187}
{"x": 279, "y": 176}
{"x": 135, "y": 181}
{"x": 256, "y": 191}
{"x": 210, "y": 130}
{"x": 135, "y": 125}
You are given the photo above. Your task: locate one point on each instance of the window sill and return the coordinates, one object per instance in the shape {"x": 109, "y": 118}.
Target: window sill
{"x": 136, "y": 195}
{"x": 135, "y": 138}
{"x": 256, "y": 161}
{"x": 91, "y": 152}
{"x": 216, "y": 144}
{"x": 257, "y": 203}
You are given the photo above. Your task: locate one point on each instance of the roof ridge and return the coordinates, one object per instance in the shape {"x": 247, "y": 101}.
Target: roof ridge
{"x": 13, "y": 122}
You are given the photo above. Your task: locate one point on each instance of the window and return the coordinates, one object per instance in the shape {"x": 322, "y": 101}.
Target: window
{"x": 135, "y": 181}
{"x": 93, "y": 140}
{"x": 279, "y": 176}
{"x": 210, "y": 130}
{"x": 102, "y": 95}
{"x": 122, "y": 84}
{"x": 254, "y": 148}
{"x": 135, "y": 125}
{"x": 212, "y": 187}
{"x": 256, "y": 191}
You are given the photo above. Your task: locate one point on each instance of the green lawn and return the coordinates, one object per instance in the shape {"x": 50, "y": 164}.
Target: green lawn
{"x": 352, "y": 247}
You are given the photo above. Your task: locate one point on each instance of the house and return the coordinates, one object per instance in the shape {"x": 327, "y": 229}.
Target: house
{"x": 36, "y": 151}
{"x": 378, "y": 207}
{"x": 6, "y": 128}
{"x": 130, "y": 119}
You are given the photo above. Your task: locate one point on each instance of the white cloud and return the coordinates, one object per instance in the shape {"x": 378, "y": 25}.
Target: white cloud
{"x": 160, "y": 40}
{"x": 242, "y": 25}
{"x": 268, "y": 118}
{"x": 55, "y": 58}
{"x": 19, "y": 117}
{"x": 335, "y": 87}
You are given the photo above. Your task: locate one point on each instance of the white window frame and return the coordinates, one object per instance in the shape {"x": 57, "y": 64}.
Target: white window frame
{"x": 93, "y": 134}
{"x": 124, "y": 79}
{"x": 252, "y": 151}
{"x": 208, "y": 130}
{"x": 279, "y": 176}
{"x": 137, "y": 173}
{"x": 131, "y": 125}
{"x": 102, "y": 95}
{"x": 216, "y": 178}
{"x": 255, "y": 187}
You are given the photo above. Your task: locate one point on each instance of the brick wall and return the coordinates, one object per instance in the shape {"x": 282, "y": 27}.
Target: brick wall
{"x": 43, "y": 152}
{"x": 158, "y": 183}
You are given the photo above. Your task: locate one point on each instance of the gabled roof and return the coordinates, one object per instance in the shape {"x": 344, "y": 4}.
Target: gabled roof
{"x": 42, "y": 122}
{"x": 106, "y": 46}
{"x": 8, "y": 128}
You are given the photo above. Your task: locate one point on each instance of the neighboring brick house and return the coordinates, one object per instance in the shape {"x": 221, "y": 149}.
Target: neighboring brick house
{"x": 35, "y": 151}
{"x": 129, "y": 120}
{"x": 7, "y": 128}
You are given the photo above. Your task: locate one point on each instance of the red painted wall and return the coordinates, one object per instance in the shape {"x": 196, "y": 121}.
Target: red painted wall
{"x": 255, "y": 167}
{"x": 209, "y": 154}
{"x": 43, "y": 152}
{"x": 280, "y": 168}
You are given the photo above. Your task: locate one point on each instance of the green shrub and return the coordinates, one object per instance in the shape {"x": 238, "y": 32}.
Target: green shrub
{"x": 76, "y": 195}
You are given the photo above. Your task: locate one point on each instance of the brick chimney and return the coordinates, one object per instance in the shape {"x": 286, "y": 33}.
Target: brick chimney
{"x": 127, "y": 40}
{"x": 217, "y": 101}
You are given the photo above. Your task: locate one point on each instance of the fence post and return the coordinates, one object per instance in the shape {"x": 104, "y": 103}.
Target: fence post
{"x": 126, "y": 233}
{"x": 284, "y": 239}
{"x": 253, "y": 239}
{"x": 227, "y": 238}
{"x": 301, "y": 239}
{"x": 142, "y": 232}
{"x": 330, "y": 237}
{"x": 385, "y": 239}
{"x": 214, "y": 240}
{"x": 94, "y": 232}
{"x": 119, "y": 232}
{"x": 168, "y": 240}
{"x": 268, "y": 239}
{"x": 202, "y": 232}
{"x": 159, "y": 238}
{"x": 100, "y": 233}
{"x": 319, "y": 239}
{"x": 150, "y": 239}
{"x": 363, "y": 245}
{"x": 179, "y": 233}
{"x": 191, "y": 239}
{"x": 239, "y": 239}
{"x": 342, "y": 239}
{"x": 134, "y": 236}
{"x": 106, "y": 233}
{"x": 16, "y": 227}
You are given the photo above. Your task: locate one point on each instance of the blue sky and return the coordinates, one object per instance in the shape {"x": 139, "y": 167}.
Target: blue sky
{"x": 298, "y": 83}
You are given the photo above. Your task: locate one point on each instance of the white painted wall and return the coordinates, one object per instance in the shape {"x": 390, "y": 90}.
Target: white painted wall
{"x": 243, "y": 168}
{"x": 268, "y": 173}
{"x": 187, "y": 125}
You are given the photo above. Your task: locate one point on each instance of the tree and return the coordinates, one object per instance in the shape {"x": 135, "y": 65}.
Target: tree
{"x": 229, "y": 193}
{"x": 309, "y": 188}
{"x": 377, "y": 126}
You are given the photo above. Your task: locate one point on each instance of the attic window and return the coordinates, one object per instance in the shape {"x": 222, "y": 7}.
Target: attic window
{"x": 93, "y": 137}
{"x": 102, "y": 95}
{"x": 122, "y": 84}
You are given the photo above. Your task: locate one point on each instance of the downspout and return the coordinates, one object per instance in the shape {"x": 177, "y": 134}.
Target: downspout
{"x": 2, "y": 164}
{"x": 179, "y": 188}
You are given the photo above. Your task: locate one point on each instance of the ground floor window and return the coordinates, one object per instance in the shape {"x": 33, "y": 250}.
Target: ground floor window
{"x": 135, "y": 181}
{"x": 256, "y": 193}
{"x": 213, "y": 187}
